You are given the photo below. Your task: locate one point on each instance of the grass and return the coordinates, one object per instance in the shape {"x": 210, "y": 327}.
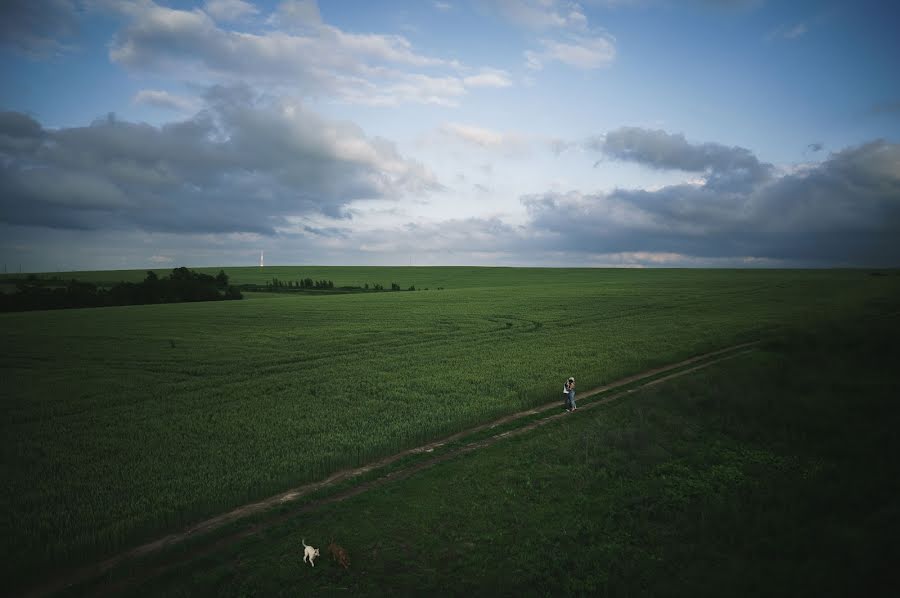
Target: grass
{"x": 769, "y": 474}
{"x": 122, "y": 423}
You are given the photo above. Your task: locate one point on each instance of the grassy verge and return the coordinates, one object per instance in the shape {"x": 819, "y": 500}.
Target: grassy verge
{"x": 772, "y": 473}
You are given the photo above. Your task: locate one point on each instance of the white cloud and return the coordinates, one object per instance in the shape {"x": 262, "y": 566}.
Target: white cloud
{"x": 166, "y": 100}
{"x": 229, "y": 10}
{"x": 478, "y": 135}
{"x": 305, "y": 56}
{"x": 541, "y": 14}
{"x": 488, "y": 78}
{"x": 583, "y": 52}
{"x": 442, "y": 6}
{"x": 296, "y": 14}
{"x": 566, "y": 35}
{"x": 510, "y": 144}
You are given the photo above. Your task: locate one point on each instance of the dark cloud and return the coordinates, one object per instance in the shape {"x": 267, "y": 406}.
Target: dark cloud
{"x": 659, "y": 149}
{"x": 35, "y": 27}
{"x": 845, "y": 210}
{"x": 725, "y": 167}
{"x": 815, "y": 146}
{"x": 242, "y": 164}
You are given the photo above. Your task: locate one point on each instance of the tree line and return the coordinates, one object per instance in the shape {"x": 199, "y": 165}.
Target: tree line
{"x": 303, "y": 283}
{"x": 182, "y": 285}
{"x": 276, "y": 284}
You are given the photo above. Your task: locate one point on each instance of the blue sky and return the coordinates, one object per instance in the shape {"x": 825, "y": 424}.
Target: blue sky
{"x": 496, "y": 132}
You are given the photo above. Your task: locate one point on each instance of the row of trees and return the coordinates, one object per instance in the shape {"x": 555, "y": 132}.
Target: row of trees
{"x": 308, "y": 283}
{"x": 181, "y": 285}
{"x": 394, "y": 287}
{"x": 303, "y": 283}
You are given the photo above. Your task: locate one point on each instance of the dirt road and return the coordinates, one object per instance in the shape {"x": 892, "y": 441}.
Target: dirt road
{"x": 87, "y": 573}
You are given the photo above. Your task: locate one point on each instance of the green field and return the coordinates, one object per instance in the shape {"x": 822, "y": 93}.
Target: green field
{"x": 773, "y": 474}
{"x": 122, "y": 423}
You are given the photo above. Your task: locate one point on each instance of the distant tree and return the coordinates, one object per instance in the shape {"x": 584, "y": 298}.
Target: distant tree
{"x": 395, "y": 286}
{"x": 151, "y": 276}
{"x": 222, "y": 279}
{"x": 181, "y": 273}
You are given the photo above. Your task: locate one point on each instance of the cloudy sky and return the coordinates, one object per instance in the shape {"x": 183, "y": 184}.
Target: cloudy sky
{"x": 488, "y": 132}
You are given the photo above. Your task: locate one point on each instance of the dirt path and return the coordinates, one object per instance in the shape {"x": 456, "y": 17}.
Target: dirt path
{"x": 94, "y": 571}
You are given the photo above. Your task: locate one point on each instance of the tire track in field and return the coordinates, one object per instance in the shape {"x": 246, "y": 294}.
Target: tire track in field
{"x": 91, "y": 572}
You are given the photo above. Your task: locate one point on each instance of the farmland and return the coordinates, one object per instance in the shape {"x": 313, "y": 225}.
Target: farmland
{"x": 770, "y": 474}
{"x": 120, "y": 423}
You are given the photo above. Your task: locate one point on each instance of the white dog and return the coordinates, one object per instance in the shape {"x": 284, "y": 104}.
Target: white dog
{"x": 309, "y": 552}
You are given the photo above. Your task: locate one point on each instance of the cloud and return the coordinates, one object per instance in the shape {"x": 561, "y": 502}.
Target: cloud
{"x": 166, "y": 100}
{"x": 302, "y": 55}
{"x": 583, "y": 52}
{"x": 509, "y": 143}
{"x": 229, "y": 10}
{"x": 566, "y": 36}
{"x": 816, "y": 146}
{"x": 540, "y": 14}
{"x": 19, "y": 133}
{"x": 512, "y": 144}
{"x": 464, "y": 237}
{"x": 845, "y": 210}
{"x": 788, "y": 32}
{"x": 488, "y": 78}
{"x": 724, "y": 166}
{"x": 36, "y": 29}
{"x": 297, "y": 14}
{"x": 795, "y": 31}
{"x": 442, "y": 6}
{"x": 242, "y": 164}
{"x": 475, "y": 135}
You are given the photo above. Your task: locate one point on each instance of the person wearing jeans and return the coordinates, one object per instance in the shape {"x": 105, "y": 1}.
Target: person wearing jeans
{"x": 570, "y": 395}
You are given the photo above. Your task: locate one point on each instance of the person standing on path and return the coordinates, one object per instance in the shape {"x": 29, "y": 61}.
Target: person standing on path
{"x": 570, "y": 394}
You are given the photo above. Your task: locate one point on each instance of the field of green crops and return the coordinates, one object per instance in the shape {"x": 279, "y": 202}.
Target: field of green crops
{"x": 121, "y": 423}
{"x": 770, "y": 474}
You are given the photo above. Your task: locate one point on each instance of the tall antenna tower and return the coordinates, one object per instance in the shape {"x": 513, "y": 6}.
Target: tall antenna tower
{"x": 260, "y": 259}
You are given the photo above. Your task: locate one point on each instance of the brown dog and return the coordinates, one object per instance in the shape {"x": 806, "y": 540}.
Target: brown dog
{"x": 339, "y": 554}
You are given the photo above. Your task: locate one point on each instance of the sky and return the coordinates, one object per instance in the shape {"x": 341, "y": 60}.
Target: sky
{"x": 633, "y": 133}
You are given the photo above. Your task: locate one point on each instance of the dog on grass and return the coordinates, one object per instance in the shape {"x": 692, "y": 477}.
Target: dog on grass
{"x": 309, "y": 552}
{"x": 338, "y": 554}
